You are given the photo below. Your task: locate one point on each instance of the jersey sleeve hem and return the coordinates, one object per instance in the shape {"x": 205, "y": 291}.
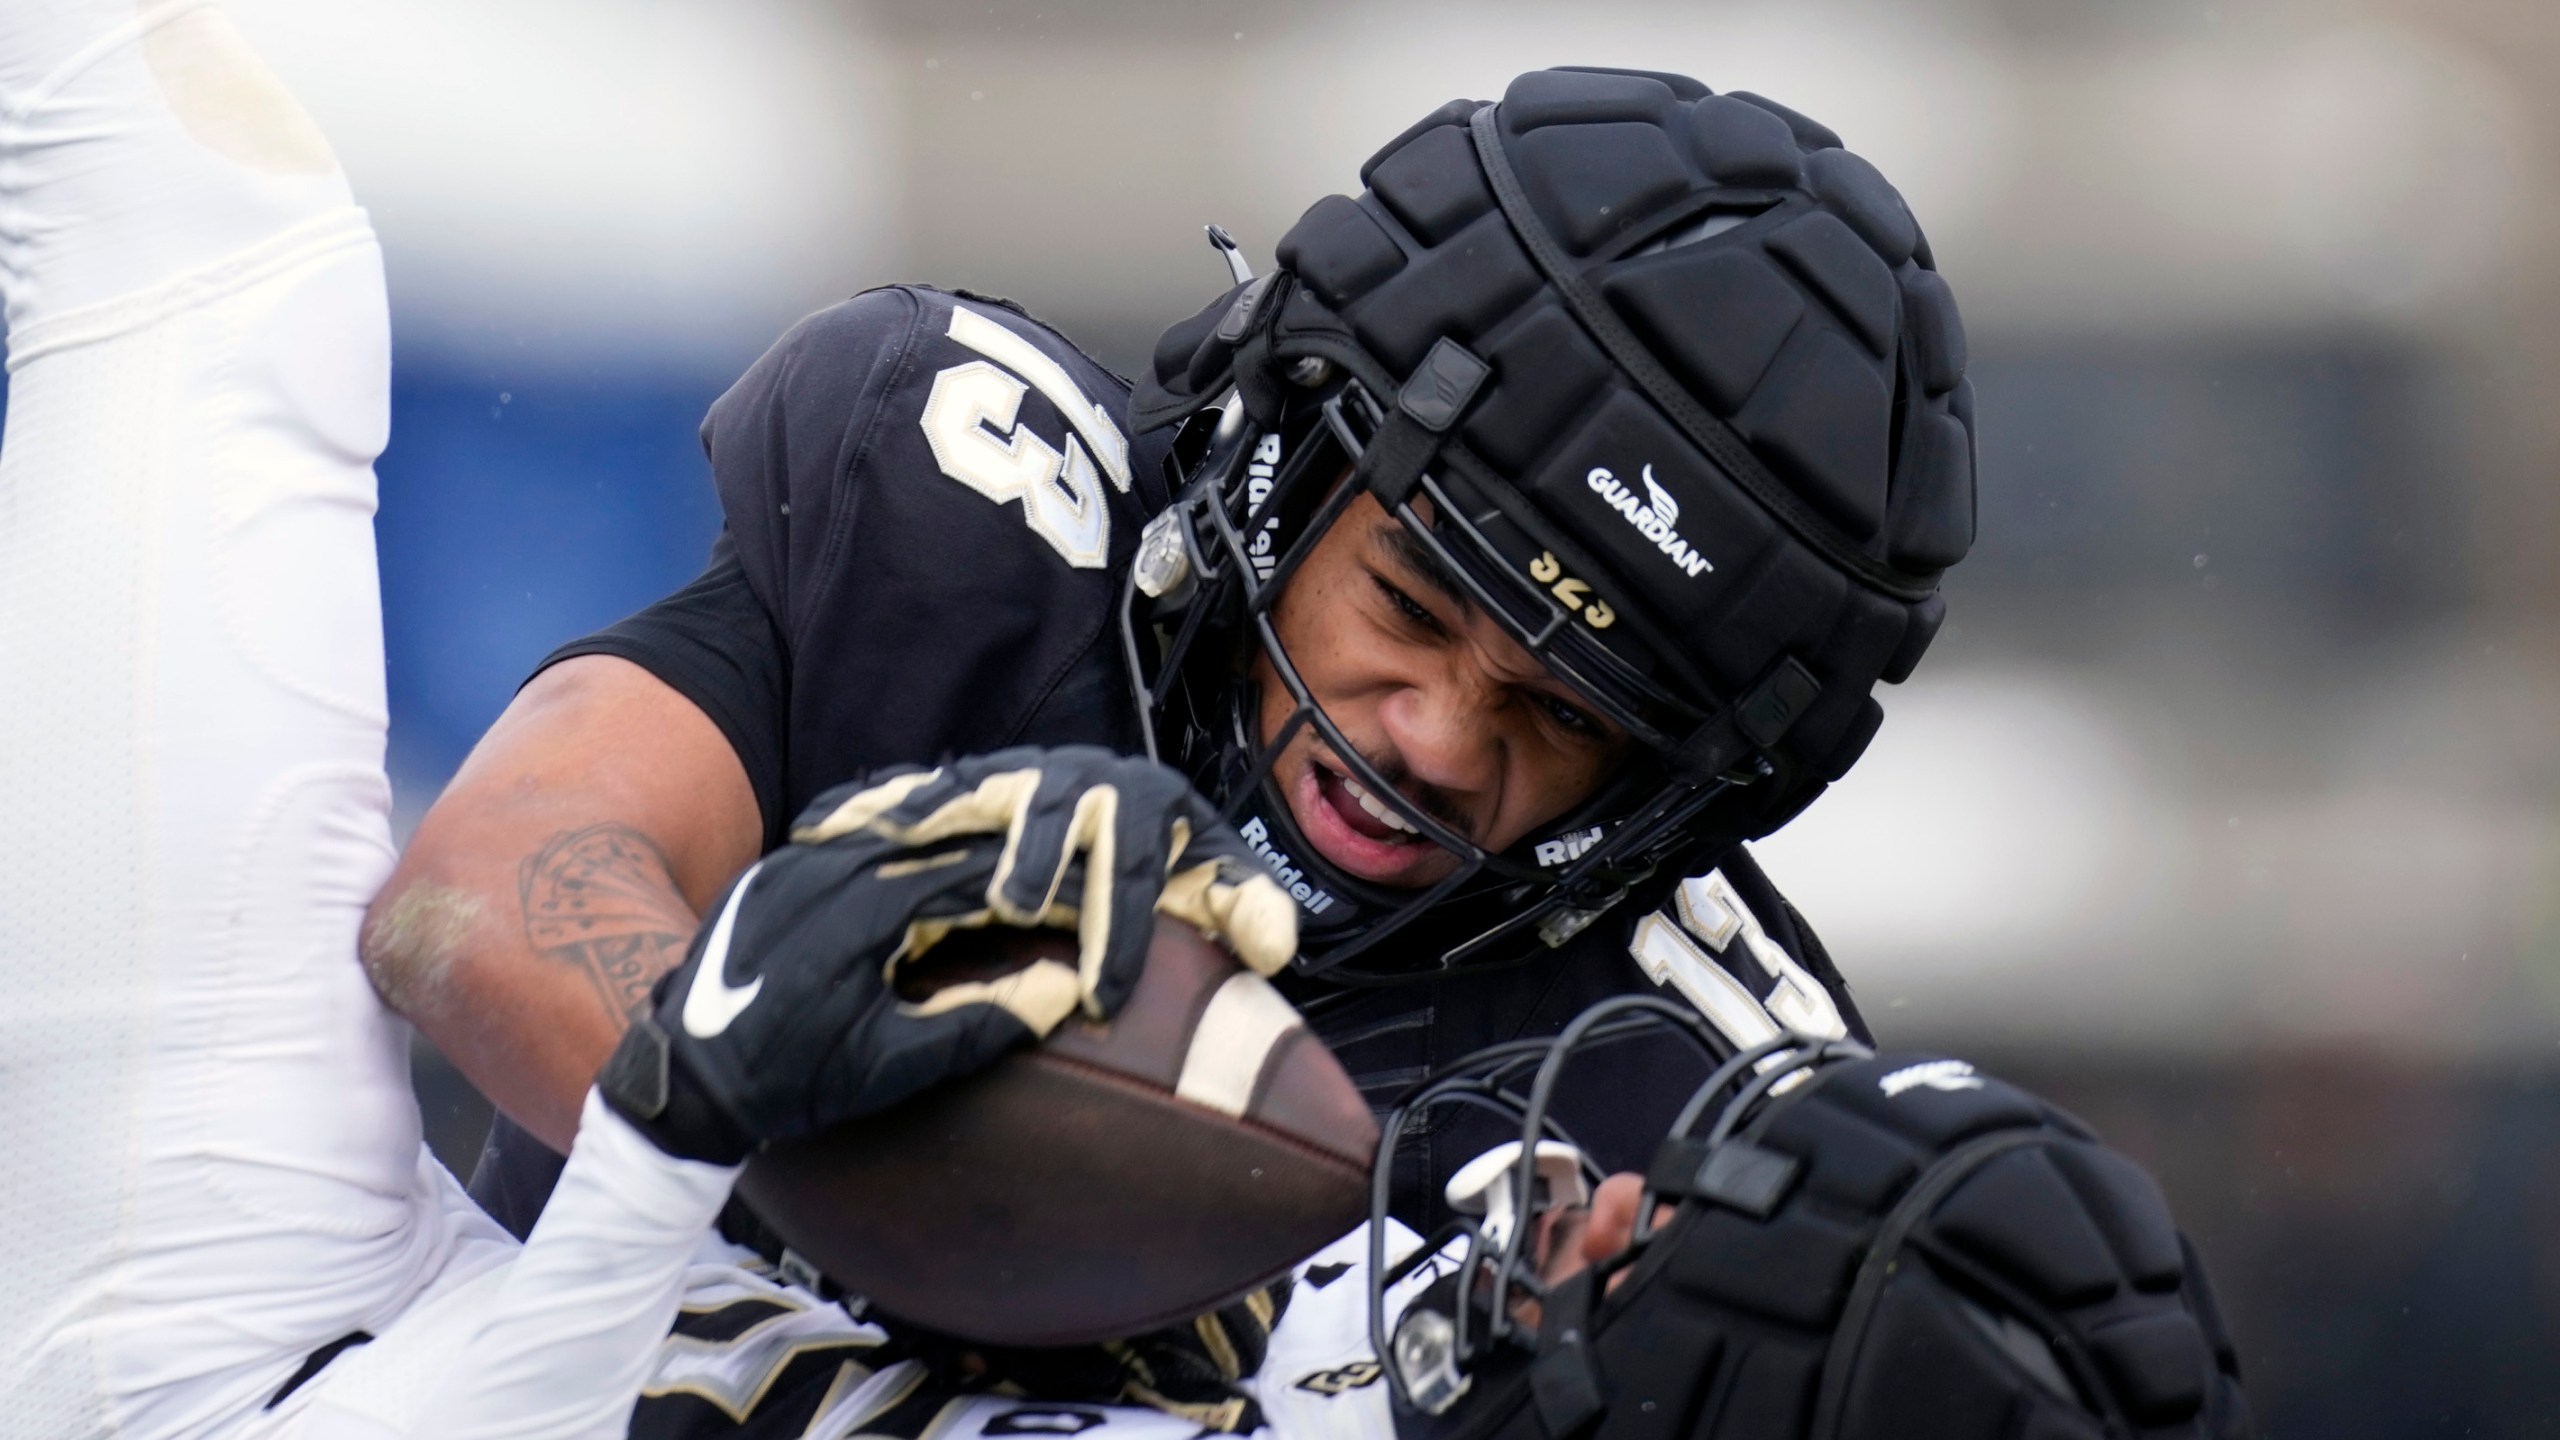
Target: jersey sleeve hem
{"x": 703, "y": 683}
{"x": 714, "y": 643}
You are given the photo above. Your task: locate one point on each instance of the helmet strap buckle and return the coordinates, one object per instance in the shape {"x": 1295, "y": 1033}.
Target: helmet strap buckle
{"x": 1758, "y": 721}
{"x": 1427, "y": 405}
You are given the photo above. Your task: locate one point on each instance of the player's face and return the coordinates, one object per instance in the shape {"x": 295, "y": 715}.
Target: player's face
{"x": 1434, "y": 694}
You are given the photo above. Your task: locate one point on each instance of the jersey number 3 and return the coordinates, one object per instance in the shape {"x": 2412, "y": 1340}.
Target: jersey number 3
{"x": 970, "y": 421}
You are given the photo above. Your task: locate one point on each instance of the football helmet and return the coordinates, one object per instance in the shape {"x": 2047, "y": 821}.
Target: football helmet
{"x": 1663, "y": 381}
{"x": 1855, "y": 1245}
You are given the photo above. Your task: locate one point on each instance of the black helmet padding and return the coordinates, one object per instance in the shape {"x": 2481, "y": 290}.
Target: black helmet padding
{"x": 1725, "y": 381}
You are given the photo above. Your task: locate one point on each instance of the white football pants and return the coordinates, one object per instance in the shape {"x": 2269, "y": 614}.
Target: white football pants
{"x": 210, "y": 1162}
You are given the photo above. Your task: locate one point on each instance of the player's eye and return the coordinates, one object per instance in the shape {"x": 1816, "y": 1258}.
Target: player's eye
{"x": 1573, "y": 718}
{"x": 1412, "y": 610}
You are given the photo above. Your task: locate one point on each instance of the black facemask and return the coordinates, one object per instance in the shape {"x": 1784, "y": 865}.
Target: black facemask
{"x": 1198, "y": 609}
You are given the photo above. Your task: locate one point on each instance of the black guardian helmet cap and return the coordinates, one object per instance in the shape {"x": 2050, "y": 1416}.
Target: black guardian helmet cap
{"x": 1861, "y": 1247}
{"x": 1666, "y": 383}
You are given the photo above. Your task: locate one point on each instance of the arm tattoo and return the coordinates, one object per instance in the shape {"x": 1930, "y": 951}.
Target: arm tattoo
{"x": 604, "y": 900}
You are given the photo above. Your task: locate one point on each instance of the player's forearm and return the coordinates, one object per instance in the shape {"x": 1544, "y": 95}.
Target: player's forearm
{"x": 580, "y": 1316}
{"x": 560, "y": 874}
{"x": 522, "y": 956}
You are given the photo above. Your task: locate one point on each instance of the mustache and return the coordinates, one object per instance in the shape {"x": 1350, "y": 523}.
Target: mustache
{"x": 1422, "y": 795}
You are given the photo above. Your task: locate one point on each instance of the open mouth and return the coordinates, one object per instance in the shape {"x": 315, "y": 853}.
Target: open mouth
{"x": 1360, "y": 832}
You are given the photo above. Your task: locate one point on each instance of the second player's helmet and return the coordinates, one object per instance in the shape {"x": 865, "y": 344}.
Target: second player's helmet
{"x": 1848, "y": 1247}
{"x": 1667, "y": 382}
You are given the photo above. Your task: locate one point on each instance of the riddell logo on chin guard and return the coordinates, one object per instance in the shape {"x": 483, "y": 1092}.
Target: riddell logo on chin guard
{"x": 1314, "y": 899}
{"x": 1655, "y": 515}
{"x": 1565, "y": 849}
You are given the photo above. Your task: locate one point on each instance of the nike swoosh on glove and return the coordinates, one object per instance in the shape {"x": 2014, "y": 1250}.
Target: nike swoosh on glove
{"x": 783, "y": 1019}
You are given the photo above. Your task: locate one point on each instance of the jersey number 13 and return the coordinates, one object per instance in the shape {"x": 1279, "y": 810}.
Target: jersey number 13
{"x": 970, "y": 421}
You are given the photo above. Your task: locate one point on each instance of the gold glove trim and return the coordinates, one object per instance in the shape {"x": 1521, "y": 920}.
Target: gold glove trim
{"x": 901, "y": 869}
{"x": 1039, "y": 995}
{"x": 864, "y": 806}
{"x": 1249, "y": 912}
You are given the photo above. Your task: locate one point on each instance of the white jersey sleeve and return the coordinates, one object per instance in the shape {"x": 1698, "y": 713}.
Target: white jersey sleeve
{"x": 555, "y": 1343}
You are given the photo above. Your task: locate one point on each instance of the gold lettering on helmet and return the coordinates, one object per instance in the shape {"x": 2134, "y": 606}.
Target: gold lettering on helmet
{"x": 1570, "y": 592}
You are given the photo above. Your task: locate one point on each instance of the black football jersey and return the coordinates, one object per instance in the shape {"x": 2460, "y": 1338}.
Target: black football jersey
{"x": 931, "y": 499}
{"x": 1724, "y": 941}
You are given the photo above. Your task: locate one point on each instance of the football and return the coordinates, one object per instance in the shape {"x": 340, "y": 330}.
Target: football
{"x": 1119, "y": 1177}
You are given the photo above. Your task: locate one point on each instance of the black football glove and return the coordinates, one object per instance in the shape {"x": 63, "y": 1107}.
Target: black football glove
{"x": 782, "y": 1020}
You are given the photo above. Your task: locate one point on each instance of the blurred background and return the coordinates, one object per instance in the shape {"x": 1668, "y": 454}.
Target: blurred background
{"x": 2224, "y": 807}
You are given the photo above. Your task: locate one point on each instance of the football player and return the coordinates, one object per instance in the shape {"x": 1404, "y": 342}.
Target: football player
{"x": 216, "y": 1167}
{"x": 1531, "y": 538}
{"x": 220, "y": 1218}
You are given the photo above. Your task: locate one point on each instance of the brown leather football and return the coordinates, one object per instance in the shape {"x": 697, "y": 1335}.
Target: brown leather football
{"x": 1120, "y": 1177}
